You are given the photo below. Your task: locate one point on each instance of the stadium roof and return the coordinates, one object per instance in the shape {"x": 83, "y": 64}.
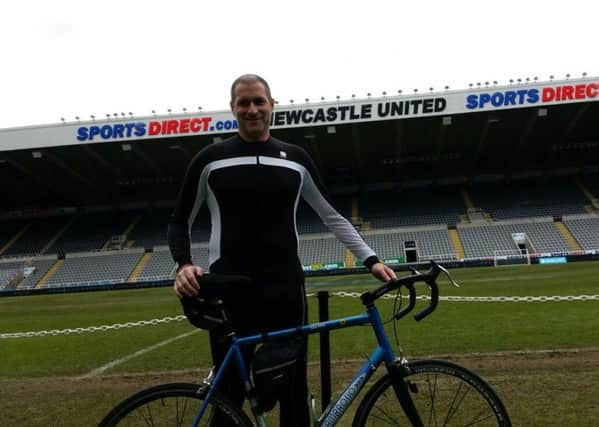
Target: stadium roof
{"x": 437, "y": 137}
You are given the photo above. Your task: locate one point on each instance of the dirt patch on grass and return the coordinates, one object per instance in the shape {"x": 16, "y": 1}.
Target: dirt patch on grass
{"x": 552, "y": 388}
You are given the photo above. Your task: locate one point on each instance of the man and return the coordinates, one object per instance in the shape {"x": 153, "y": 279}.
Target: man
{"x": 251, "y": 184}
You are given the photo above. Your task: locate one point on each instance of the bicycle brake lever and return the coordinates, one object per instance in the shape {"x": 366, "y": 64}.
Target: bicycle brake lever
{"x": 444, "y": 270}
{"x": 413, "y": 270}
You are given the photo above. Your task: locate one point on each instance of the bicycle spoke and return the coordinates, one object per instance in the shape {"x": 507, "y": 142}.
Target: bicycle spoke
{"x": 455, "y": 403}
{"x": 444, "y": 394}
{"x": 148, "y": 418}
{"x": 384, "y": 415}
{"x": 432, "y": 390}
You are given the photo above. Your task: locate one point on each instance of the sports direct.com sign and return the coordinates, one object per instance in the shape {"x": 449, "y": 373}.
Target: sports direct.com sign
{"x": 307, "y": 115}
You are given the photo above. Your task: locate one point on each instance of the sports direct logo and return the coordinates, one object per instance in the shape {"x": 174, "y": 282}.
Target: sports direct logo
{"x": 532, "y": 96}
{"x": 186, "y": 126}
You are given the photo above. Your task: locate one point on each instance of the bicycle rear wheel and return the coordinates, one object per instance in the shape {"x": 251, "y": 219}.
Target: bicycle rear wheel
{"x": 444, "y": 394}
{"x": 173, "y": 405}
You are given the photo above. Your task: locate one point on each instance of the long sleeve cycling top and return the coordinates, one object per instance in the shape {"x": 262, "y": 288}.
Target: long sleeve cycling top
{"x": 252, "y": 190}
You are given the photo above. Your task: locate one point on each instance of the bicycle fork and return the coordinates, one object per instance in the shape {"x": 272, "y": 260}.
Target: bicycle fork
{"x": 402, "y": 392}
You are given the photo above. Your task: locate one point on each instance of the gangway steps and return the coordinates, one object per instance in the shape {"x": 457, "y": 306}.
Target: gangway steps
{"x": 50, "y": 273}
{"x": 568, "y": 237}
{"x": 139, "y": 267}
{"x": 456, "y": 242}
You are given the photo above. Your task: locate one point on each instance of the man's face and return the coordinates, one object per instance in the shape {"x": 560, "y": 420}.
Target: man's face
{"x": 252, "y": 108}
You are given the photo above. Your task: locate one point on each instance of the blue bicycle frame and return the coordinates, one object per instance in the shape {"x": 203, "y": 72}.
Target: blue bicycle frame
{"x": 383, "y": 353}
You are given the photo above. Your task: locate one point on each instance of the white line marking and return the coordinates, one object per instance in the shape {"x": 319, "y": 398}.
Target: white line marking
{"x": 124, "y": 359}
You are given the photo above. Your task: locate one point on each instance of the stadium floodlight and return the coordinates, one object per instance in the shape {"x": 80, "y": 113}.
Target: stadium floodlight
{"x": 511, "y": 81}
{"x": 384, "y": 93}
{"x": 368, "y": 94}
{"x": 322, "y": 98}
{"x": 154, "y": 112}
{"x": 431, "y": 88}
{"x": 551, "y": 77}
{"x": 217, "y": 139}
{"x": 307, "y": 100}
{"x": 568, "y": 75}
{"x": 487, "y": 84}
{"x": 37, "y": 154}
{"x": 130, "y": 114}
{"x": 446, "y": 121}
{"x": 584, "y": 74}
{"x": 415, "y": 90}
{"x": 494, "y": 82}
{"x": 337, "y": 96}
{"x": 107, "y": 115}
{"x": 542, "y": 112}
{"x": 399, "y": 91}
{"x": 184, "y": 110}
{"x": 62, "y": 119}
{"x": 169, "y": 110}
{"x": 331, "y": 130}
{"x": 126, "y": 147}
{"x": 291, "y": 101}
{"x": 470, "y": 85}
{"x": 446, "y": 87}
{"x": 116, "y": 115}
{"x": 77, "y": 118}
{"x": 199, "y": 108}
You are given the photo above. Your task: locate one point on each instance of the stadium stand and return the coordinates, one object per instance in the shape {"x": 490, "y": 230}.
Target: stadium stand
{"x": 91, "y": 231}
{"x": 321, "y": 249}
{"x": 38, "y": 235}
{"x": 412, "y": 206}
{"x": 585, "y": 229}
{"x": 484, "y": 240}
{"x": 95, "y": 268}
{"x": 150, "y": 228}
{"x": 9, "y": 229}
{"x": 523, "y": 198}
{"x": 42, "y": 266}
{"x": 432, "y": 242}
{"x": 160, "y": 266}
{"x": 387, "y": 218}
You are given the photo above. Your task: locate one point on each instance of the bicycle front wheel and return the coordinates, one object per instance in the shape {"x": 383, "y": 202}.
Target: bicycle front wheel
{"x": 443, "y": 393}
{"x": 174, "y": 405}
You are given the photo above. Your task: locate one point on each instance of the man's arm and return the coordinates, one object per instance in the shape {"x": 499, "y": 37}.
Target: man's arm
{"x": 315, "y": 195}
{"x": 191, "y": 197}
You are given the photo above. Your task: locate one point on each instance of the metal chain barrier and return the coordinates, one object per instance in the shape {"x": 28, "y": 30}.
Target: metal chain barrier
{"x": 103, "y": 328}
{"x": 342, "y": 294}
{"x": 554, "y": 298}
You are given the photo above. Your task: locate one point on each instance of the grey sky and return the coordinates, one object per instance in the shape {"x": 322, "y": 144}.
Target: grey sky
{"x": 76, "y": 58}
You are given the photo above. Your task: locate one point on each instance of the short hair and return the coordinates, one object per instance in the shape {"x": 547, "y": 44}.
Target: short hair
{"x": 250, "y": 78}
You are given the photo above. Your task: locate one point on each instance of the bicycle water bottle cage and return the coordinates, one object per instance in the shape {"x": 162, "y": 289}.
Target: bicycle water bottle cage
{"x": 208, "y": 310}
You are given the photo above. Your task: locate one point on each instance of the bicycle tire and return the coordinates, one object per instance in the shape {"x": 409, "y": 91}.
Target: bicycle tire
{"x": 173, "y": 404}
{"x": 445, "y": 394}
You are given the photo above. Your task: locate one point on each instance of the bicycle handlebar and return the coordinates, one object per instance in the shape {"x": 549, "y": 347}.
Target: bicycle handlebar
{"x": 430, "y": 278}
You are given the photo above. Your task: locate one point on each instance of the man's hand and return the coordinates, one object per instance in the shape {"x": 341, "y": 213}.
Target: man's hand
{"x": 382, "y": 272}
{"x": 186, "y": 280}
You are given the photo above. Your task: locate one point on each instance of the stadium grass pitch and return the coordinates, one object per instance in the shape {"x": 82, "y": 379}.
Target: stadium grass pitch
{"x": 88, "y": 372}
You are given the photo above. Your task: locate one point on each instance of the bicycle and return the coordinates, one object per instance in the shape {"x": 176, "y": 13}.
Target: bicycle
{"x": 419, "y": 393}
